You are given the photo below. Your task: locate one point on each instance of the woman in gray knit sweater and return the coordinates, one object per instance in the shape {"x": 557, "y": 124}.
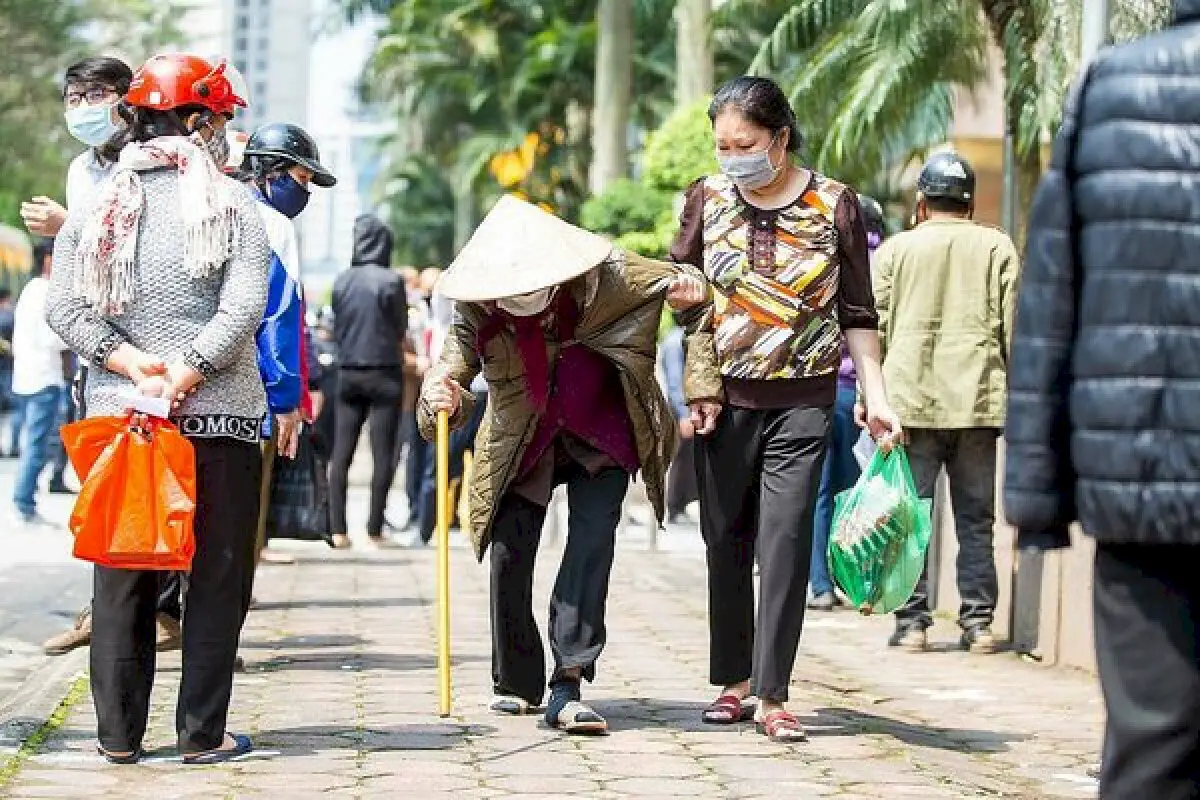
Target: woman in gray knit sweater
{"x": 160, "y": 286}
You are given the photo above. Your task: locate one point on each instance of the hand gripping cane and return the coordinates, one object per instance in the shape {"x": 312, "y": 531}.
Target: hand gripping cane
{"x": 443, "y": 560}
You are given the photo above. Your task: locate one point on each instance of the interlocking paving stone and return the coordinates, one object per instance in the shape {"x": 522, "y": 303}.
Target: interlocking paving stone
{"x": 341, "y": 698}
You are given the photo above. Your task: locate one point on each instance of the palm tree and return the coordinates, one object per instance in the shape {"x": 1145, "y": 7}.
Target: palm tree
{"x": 875, "y": 80}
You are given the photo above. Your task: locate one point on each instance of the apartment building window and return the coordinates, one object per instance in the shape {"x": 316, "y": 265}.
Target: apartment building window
{"x": 240, "y": 45}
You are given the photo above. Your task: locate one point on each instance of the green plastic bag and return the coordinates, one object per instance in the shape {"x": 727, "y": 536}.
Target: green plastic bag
{"x": 879, "y": 535}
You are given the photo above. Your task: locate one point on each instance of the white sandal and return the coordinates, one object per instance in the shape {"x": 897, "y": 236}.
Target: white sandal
{"x": 510, "y": 705}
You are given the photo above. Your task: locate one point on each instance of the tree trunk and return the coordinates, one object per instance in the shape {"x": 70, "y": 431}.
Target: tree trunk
{"x": 614, "y": 87}
{"x": 1029, "y": 174}
{"x": 693, "y": 51}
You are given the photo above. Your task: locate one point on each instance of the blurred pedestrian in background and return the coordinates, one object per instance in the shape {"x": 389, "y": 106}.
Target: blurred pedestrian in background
{"x": 945, "y": 292}
{"x": 161, "y": 285}
{"x": 370, "y": 317}
{"x": 681, "y": 479}
{"x": 41, "y": 373}
{"x": 841, "y": 468}
{"x": 8, "y": 403}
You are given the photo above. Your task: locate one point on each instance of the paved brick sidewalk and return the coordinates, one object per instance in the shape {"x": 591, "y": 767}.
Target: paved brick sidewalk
{"x": 340, "y": 697}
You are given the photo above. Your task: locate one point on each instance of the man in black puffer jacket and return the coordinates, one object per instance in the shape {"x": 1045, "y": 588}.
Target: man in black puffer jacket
{"x": 1104, "y": 404}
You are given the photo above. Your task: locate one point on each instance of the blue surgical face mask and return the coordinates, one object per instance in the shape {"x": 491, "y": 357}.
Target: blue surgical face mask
{"x": 92, "y": 125}
{"x": 752, "y": 170}
{"x": 286, "y": 195}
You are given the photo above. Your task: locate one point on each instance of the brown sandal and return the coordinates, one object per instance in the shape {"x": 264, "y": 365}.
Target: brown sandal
{"x": 781, "y": 726}
{"x": 728, "y": 709}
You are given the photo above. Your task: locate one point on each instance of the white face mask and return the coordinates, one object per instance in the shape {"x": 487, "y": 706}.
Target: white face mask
{"x": 526, "y": 305}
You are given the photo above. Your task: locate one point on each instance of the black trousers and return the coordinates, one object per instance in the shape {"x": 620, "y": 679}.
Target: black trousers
{"x": 681, "y": 480}
{"x": 758, "y": 475}
{"x": 215, "y": 605}
{"x": 577, "y": 632}
{"x": 969, "y": 456}
{"x": 1147, "y": 607}
{"x": 365, "y": 395}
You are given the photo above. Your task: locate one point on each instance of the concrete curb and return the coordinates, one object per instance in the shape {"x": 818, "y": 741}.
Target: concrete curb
{"x": 30, "y": 707}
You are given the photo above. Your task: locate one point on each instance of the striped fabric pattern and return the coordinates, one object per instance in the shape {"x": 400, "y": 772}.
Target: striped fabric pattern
{"x": 778, "y": 322}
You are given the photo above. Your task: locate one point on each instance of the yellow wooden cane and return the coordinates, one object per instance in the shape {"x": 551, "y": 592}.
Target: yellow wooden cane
{"x": 443, "y": 557}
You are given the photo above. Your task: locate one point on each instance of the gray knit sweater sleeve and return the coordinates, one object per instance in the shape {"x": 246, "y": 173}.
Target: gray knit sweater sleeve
{"x": 84, "y": 330}
{"x": 243, "y": 295}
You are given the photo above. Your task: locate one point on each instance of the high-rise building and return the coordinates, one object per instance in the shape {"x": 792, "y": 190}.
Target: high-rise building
{"x": 269, "y": 42}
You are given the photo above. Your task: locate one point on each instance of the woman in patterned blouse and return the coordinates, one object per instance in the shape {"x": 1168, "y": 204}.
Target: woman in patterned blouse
{"x": 786, "y": 252}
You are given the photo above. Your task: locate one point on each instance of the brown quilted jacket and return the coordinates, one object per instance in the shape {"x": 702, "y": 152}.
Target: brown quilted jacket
{"x": 622, "y": 303}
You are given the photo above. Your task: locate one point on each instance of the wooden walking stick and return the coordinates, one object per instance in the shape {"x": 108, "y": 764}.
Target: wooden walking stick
{"x": 443, "y": 560}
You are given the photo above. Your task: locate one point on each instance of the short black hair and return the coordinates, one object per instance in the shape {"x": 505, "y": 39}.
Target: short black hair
{"x": 43, "y": 249}
{"x": 5, "y": 294}
{"x": 762, "y": 102}
{"x": 947, "y": 205}
{"x": 102, "y": 70}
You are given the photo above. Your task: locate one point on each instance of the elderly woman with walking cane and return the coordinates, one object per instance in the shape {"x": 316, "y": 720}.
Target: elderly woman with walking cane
{"x": 563, "y": 327}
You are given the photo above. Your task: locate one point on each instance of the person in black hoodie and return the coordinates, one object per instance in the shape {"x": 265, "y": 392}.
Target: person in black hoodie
{"x": 370, "y": 313}
{"x": 1104, "y": 413}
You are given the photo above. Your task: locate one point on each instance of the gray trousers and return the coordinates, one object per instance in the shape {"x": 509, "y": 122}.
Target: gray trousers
{"x": 577, "y": 603}
{"x": 969, "y": 456}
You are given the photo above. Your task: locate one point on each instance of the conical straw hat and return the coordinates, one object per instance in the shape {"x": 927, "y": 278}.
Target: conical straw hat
{"x": 519, "y": 248}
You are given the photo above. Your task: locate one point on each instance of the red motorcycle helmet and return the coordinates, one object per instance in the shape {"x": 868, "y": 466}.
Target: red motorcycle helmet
{"x": 174, "y": 80}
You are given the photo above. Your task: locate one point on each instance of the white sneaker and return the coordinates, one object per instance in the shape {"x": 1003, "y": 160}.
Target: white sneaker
{"x": 34, "y": 521}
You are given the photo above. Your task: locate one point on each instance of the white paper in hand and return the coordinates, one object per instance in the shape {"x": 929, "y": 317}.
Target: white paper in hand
{"x": 864, "y": 449}
{"x": 152, "y": 406}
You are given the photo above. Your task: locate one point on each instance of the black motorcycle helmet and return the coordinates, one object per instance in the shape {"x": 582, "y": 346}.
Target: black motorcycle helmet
{"x": 947, "y": 175}
{"x": 279, "y": 145}
{"x": 873, "y": 216}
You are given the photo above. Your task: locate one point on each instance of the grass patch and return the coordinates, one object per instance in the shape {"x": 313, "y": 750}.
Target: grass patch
{"x": 31, "y": 746}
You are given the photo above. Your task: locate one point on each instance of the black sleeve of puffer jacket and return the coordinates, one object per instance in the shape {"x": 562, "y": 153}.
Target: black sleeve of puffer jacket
{"x": 1039, "y": 479}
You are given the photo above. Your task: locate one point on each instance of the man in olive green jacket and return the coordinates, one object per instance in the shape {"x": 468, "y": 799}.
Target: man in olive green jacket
{"x": 945, "y": 293}
{"x": 564, "y": 329}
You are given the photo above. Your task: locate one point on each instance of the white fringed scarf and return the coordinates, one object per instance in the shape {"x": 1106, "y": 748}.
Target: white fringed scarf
{"x": 108, "y": 242}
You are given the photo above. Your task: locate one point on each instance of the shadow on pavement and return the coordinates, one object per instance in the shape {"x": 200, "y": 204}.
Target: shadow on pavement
{"x": 849, "y": 722}
{"x": 306, "y": 741}
{"x": 685, "y": 716}
{"x": 339, "y": 602}
{"x": 352, "y": 662}
{"x": 299, "y": 642}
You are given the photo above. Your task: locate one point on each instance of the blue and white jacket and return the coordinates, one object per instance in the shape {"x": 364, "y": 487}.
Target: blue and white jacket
{"x": 280, "y": 335}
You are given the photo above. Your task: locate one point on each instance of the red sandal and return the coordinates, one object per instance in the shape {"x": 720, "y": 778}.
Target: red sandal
{"x": 728, "y": 709}
{"x": 781, "y": 726}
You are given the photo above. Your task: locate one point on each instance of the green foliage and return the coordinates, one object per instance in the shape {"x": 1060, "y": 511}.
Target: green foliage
{"x": 652, "y": 244}
{"x": 421, "y": 211}
{"x": 41, "y": 39}
{"x": 625, "y": 207}
{"x": 680, "y": 151}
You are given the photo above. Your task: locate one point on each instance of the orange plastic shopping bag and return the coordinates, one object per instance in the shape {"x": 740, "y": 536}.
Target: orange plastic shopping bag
{"x": 137, "y": 507}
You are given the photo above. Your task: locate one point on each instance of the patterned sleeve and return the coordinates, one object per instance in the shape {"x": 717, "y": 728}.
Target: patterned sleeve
{"x": 242, "y": 299}
{"x": 856, "y": 303}
{"x": 688, "y": 247}
{"x": 80, "y": 326}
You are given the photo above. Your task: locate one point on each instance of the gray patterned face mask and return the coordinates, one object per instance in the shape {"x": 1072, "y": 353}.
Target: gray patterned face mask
{"x": 752, "y": 170}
